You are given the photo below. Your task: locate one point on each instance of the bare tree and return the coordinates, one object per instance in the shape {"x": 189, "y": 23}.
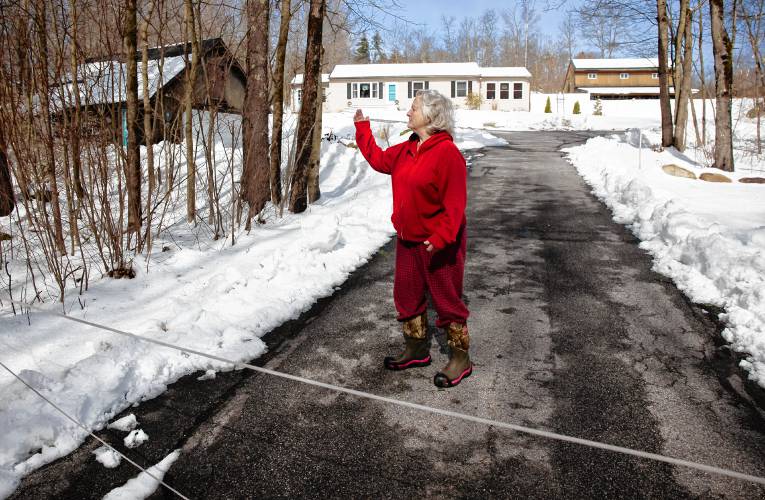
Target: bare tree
{"x": 256, "y": 171}
{"x": 191, "y": 167}
{"x": 567, "y": 30}
{"x": 133, "y": 150}
{"x": 306, "y": 122}
{"x": 7, "y": 199}
{"x": 722, "y": 48}
{"x": 278, "y": 103}
{"x": 667, "y": 135}
{"x": 683, "y": 63}
{"x": 314, "y": 163}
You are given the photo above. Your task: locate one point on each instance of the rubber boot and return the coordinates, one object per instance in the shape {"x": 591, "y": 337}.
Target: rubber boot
{"x": 459, "y": 366}
{"x": 416, "y": 349}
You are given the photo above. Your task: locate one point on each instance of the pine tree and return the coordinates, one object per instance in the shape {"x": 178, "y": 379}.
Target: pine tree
{"x": 548, "y": 107}
{"x": 598, "y": 109}
{"x": 577, "y": 109}
{"x": 377, "y": 48}
{"x": 362, "y": 50}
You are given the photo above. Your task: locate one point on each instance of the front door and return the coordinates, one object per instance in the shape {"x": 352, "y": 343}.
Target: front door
{"x": 392, "y": 92}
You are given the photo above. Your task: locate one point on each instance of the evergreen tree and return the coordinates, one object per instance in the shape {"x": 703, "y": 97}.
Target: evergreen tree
{"x": 362, "y": 50}
{"x": 377, "y": 48}
{"x": 577, "y": 109}
{"x": 548, "y": 107}
{"x": 598, "y": 110}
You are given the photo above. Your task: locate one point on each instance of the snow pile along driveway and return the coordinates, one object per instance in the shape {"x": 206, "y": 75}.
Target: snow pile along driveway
{"x": 708, "y": 237}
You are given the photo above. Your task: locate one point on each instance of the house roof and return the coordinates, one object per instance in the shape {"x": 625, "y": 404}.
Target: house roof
{"x": 298, "y": 80}
{"x": 104, "y": 82}
{"x": 405, "y": 70}
{"x": 506, "y": 71}
{"x": 623, "y": 63}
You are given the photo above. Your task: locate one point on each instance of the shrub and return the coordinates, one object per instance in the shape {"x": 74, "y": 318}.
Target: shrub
{"x": 548, "y": 107}
{"x": 473, "y": 101}
{"x": 577, "y": 109}
{"x": 598, "y": 108}
{"x": 758, "y": 108}
{"x": 407, "y": 131}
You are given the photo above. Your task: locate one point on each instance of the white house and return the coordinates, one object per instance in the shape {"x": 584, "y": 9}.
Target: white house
{"x": 351, "y": 86}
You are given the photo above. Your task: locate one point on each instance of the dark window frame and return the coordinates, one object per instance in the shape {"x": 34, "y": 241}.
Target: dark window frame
{"x": 517, "y": 90}
{"x": 504, "y": 90}
{"x": 491, "y": 93}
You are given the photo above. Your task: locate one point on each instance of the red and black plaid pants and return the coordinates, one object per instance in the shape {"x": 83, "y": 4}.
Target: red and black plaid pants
{"x": 439, "y": 273}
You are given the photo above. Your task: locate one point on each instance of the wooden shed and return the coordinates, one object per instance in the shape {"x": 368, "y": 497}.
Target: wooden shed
{"x": 220, "y": 84}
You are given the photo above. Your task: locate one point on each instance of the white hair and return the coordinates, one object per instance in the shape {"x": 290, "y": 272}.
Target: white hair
{"x": 438, "y": 110}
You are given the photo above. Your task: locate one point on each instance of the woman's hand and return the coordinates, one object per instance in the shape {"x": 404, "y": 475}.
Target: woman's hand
{"x": 359, "y": 117}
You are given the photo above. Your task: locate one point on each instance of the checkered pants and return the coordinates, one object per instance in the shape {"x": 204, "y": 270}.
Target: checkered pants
{"x": 440, "y": 274}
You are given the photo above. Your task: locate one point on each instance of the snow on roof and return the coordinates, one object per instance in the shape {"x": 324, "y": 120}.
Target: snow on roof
{"x": 405, "y": 70}
{"x": 104, "y": 82}
{"x": 506, "y": 71}
{"x": 623, "y": 63}
{"x": 298, "y": 80}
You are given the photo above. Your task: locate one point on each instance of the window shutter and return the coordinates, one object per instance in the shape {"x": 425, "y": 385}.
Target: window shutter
{"x": 426, "y": 85}
{"x": 470, "y": 86}
{"x": 348, "y": 90}
{"x": 380, "y": 90}
{"x": 409, "y": 89}
{"x": 453, "y": 85}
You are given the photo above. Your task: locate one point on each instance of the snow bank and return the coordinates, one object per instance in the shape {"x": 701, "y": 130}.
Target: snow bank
{"x": 708, "y": 237}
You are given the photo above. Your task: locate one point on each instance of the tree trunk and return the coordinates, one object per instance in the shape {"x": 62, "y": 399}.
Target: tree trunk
{"x": 306, "y": 122}
{"x": 75, "y": 128}
{"x": 666, "y": 110}
{"x": 683, "y": 84}
{"x": 191, "y": 167}
{"x": 722, "y": 49}
{"x": 256, "y": 172}
{"x": 314, "y": 163}
{"x": 133, "y": 148}
{"x": 50, "y": 160}
{"x": 278, "y": 104}
{"x": 148, "y": 125}
{"x": 7, "y": 199}
{"x": 702, "y": 80}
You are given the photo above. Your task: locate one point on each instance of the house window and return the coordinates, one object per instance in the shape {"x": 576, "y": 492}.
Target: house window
{"x": 592, "y": 76}
{"x": 623, "y": 76}
{"x": 461, "y": 88}
{"x": 655, "y": 76}
{"x": 504, "y": 91}
{"x": 300, "y": 95}
{"x": 491, "y": 91}
{"x": 417, "y": 86}
{"x": 517, "y": 91}
{"x": 323, "y": 94}
{"x": 364, "y": 90}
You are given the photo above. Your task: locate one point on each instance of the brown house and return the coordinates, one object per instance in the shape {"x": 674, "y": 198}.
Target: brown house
{"x": 220, "y": 84}
{"x": 633, "y": 78}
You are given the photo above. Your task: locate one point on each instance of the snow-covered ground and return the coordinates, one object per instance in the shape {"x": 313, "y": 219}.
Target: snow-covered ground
{"x": 202, "y": 294}
{"x": 213, "y": 297}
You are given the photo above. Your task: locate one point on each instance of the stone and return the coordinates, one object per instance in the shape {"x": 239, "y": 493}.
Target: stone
{"x": 752, "y": 180}
{"x": 712, "y": 177}
{"x": 678, "y": 171}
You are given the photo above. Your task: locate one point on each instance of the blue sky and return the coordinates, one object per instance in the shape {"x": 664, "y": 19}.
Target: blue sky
{"x": 429, "y": 12}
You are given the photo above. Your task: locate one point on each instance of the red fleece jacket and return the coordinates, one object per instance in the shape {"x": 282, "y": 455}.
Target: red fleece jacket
{"x": 429, "y": 185}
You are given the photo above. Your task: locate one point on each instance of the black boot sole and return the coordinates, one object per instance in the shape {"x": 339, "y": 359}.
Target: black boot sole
{"x": 390, "y": 364}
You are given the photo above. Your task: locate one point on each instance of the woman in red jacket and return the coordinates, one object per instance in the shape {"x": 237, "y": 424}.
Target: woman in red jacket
{"x": 429, "y": 179}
